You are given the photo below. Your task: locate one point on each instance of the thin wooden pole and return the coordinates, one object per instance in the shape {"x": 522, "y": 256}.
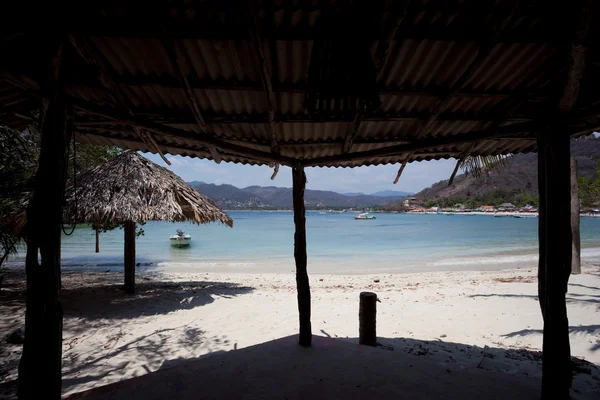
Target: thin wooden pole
{"x": 41, "y": 361}
{"x": 555, "y": 258}
{"x": 129, "y": 257}
{"x": 97, "y": 237}
{"x": 575, "y": 220}
{"x": 302, "y": 284}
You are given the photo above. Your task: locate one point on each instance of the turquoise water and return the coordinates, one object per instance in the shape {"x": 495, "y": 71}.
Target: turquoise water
{"x": 263, "y": 242}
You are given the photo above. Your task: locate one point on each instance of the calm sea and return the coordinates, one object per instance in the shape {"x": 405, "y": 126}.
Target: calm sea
{"x": 264, "y": 242}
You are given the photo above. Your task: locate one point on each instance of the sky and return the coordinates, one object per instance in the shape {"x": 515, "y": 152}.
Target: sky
{"x": 416, "y": 175}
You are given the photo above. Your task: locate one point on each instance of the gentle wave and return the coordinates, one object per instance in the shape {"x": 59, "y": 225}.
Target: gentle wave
{"x": 589, "y": 253}
{"x": 486, "y": 260}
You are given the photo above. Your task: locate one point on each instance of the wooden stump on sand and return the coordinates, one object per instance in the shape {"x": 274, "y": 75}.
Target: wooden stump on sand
{"x": 367, "y": 314}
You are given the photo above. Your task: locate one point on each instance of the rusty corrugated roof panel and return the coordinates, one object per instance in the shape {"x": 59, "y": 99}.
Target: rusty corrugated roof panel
{"x": 452, "y": 69}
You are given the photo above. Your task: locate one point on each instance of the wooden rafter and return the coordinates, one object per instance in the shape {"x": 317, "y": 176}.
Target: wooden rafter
{"x": 176, "y": 116}
{"x": 485, "y": 48}
{"x": 245, "y": 85}
{"x": 265, "y": 75}
{"x": 577, "y": 60}
{"x": 174, "y": 49}
{"x": 84, "y": 49}
{"x": 383, "y": 48}
{"x": 211, "y": 29}
{"x": 425, "y": 144}
{"x": 519, "y": 130}
{"x": 205, "y": 140}
{"x": 168, "y": 147}
{"x": 510, "y": 106}
{"x": 404, "y": 163}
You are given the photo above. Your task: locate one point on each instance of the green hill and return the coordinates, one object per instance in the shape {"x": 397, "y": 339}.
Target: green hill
{"x": 516, "y": 183}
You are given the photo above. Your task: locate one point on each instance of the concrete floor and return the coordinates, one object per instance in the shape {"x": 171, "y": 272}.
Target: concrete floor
{"x": 330, "y": 369}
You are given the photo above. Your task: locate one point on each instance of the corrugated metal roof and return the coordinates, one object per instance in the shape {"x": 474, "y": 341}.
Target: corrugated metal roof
{"x": 452, "y": 68}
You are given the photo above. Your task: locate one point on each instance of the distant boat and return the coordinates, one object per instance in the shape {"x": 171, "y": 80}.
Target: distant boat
{"x": 364, "y": 216}
{"x": 322, "y": 213}
{"x": 182, "y": 239}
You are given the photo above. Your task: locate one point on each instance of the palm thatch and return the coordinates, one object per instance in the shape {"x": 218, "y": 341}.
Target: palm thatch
{"x": 130, "y": 187}
{"x": 477, "y": 165}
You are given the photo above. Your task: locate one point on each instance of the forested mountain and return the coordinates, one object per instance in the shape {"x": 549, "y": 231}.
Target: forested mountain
{"x": 268, "y": 197}
{"x": 517, "y": 180}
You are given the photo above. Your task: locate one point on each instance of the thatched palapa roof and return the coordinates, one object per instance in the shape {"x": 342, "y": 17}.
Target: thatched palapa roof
{"x": 130, "y": 187}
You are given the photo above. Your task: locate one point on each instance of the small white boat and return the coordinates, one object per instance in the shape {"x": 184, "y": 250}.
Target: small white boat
{"x": 364, "y": 216}
{"x": 182, "y": 239}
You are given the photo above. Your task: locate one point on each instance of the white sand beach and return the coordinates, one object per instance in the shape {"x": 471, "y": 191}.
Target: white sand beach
{"x": 462, "y": 319}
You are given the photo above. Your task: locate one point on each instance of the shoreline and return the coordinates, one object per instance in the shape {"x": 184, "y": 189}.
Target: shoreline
{"x": 448, "y": 317}
{"x": 526, "y": 257}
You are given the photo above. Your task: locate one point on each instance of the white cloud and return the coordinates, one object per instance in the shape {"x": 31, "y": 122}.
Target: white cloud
{"x": 415, "y": 177}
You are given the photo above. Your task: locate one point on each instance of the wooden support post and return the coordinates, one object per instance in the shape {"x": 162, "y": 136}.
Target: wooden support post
{"x": 575, "y": 220}
{"x": 302, "y": 284}
{"x": 97, "y": 237}
{"x": 367, "y": 317}
{"x": 41, "y": 361}
{"x": 130, "y": 257}
{"x": 555, "y": 258}
{"x": 556, "y": 239}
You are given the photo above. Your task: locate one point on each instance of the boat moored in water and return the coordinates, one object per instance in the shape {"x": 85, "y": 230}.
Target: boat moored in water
{"x": 364, "y": 216}
{"x": 181, "y": 239}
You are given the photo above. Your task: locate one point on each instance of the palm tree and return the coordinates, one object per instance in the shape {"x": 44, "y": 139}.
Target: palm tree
{"x": 478, "y": 165}
{"x": 18, "y": 160}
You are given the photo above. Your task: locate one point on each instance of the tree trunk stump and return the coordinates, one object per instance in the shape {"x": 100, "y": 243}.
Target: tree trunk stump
{"x": 130, "y": 257}
{"x": 367, "y": 317}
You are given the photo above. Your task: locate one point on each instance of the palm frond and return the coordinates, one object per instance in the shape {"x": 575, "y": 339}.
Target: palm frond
{"x": 477, "y": 165}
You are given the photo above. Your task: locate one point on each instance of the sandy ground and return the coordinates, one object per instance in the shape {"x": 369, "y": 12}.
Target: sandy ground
{"x": 489, "y": 320}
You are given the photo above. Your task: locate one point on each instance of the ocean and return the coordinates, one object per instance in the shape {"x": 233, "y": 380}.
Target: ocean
{"x": 336, "y": 243}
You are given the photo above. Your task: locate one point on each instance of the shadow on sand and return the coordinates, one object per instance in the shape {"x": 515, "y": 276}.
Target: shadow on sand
{"x": 150, "y": 298}
{"x": 339, "y": 368}
{"x": 583, "y": 300}
{"x": 90, "y": 307}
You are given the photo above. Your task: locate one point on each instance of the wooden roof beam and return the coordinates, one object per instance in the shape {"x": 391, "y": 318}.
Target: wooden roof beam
{"x": 483, "y": 51}
{"x": 83, "y": 48}
{"x": 266, "y": 74}
{"x": 205, "y": 140}
{"x": 235, "y": 85}
{"x": 214, "y": 29}
{"x": 167, "y": 147}
{"x": 170, "y": 116}
{"x": 426, "y": 144}
{"x": 446, "y": 8}
{"x": 577, "y": 59}
{"x": 383, "y": 48}
{"x": 173, "y": 49}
